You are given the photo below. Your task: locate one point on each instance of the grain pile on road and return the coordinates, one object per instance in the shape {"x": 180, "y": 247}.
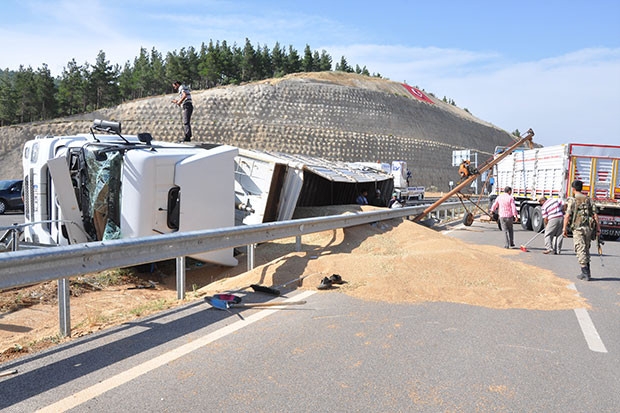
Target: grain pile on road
{"x": 395, "y": 261}
{"x": 401, "y": 261}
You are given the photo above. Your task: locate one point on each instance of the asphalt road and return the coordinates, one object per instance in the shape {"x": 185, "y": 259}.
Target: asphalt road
{"x": 340, "y": 354}
{"x": 12, "y": 217}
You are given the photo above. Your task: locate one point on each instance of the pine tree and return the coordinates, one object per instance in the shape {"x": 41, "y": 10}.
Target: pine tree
{"x": 8, "y": 99}
{"x": 102, "y": 86}
{"x": 45, "y": 93}
{"x": 72, "y": 96}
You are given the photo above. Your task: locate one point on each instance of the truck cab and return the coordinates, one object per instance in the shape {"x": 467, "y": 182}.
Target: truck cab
{"x": 103, "y": 186}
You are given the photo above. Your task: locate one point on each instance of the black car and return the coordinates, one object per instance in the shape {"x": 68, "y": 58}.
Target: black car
{"x": 11, "y": 196}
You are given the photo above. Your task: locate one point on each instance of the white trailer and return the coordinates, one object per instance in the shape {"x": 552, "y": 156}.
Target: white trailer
{"x": 550, "y": 170}
{"x": 269, "y": 186}
{"x": 401, "y": 177}
{"x": 94, "y": 187}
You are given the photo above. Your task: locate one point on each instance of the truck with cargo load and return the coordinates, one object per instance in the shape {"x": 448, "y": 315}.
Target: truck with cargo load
{"x": 549, "y": 171}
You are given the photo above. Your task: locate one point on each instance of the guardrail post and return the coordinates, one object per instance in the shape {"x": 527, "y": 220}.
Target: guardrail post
{"x": 251, "y": 249}
{"x": 64, "y": 311}
{"x": 298, "y": 243}
{"x": 14, "y": 239}
{"x": 181, "y": 278}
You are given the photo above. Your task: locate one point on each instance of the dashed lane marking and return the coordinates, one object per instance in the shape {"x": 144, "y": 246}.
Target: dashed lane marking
{"x": 587, "y": 328}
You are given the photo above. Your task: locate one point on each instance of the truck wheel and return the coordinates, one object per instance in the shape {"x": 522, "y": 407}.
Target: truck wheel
{"x": 524, "y": 216}
{"x": 538, "y": 224}
{"x": 468, "y": 219}
{"x": 2, "y": 207}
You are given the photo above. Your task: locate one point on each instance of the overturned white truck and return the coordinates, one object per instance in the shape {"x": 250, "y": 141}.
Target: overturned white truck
{"x": 105, "y": 185}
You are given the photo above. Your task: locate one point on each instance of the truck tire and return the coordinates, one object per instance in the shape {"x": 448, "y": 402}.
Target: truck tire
{"x": 538, "y": 224}
{"x": 524, "y": 217}
{"x": 468, "y": 219}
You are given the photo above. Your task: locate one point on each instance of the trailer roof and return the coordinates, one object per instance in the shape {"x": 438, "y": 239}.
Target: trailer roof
{"x": 334, "y": 171}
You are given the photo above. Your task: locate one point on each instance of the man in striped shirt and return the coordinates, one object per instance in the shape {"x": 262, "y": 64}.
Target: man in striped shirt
{"x": 507, "y": 211}
{"x": 553, "y": 216}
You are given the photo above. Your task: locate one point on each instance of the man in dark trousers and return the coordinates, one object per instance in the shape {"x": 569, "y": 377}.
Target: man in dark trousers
{"x": 185, "y": 102}
{"x": 553, "y": 217}
{"x": 582, "y": 218}
{"x": 507, "y": 211}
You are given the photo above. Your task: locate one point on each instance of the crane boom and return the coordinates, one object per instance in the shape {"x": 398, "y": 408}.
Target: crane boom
{"x": 527, "y": 138}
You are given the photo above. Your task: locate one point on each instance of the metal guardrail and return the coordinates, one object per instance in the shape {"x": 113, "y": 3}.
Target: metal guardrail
{"x": 27, "y": 267}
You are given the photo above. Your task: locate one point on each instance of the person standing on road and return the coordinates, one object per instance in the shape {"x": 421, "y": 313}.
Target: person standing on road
{"x": 362, "y": 198}
{"x": 185, "y": 102}
{"x": 394, "y": 202}
{"x": 582, "y": 218}
{"x": 378, "y": 200}
{"x": 553, "y": 216}
{"x": 507, "y": 211}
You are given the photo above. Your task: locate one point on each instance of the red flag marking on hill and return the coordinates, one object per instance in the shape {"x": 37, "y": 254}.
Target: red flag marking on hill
{"x": 418, "y": 94}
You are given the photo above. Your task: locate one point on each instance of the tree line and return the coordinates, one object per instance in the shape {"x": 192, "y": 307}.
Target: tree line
{"x": 28, "y": 95}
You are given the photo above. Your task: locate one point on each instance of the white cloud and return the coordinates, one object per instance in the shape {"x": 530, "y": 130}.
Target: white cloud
{"x": 572, "y": 98}
{"x": 569, "y": 98}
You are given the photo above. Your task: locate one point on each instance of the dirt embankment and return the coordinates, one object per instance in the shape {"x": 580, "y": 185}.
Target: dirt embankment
{"x": 332, "y": 115}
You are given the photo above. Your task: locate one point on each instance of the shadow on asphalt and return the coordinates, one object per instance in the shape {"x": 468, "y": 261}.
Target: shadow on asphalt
{"x": 30, "y": 383}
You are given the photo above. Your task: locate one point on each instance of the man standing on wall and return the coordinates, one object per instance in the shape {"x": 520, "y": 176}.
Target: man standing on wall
{"x": 507, "y": 211}
{"x": 581, "y": 216}
{"x": 185, "y": 102}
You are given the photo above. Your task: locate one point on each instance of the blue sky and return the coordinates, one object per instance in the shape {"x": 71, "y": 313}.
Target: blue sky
{"x": 553, "y": 66}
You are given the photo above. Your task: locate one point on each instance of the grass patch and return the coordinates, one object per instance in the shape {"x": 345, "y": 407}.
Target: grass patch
{"x": 151, "y": 307}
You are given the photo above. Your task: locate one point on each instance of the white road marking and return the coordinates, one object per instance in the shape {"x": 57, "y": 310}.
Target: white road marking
{"x": 96, "y": 390}
{"x": 585, "y": 322}
{"x": 587, "y": 328}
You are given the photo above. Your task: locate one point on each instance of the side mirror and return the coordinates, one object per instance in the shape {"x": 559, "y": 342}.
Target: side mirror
{"x": 145, "y": 137}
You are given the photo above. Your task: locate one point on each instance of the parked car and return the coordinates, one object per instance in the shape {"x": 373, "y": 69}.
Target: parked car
{"x": 11, "y": 196}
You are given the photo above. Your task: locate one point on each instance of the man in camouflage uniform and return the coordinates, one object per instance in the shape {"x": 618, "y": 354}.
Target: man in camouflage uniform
{"x": 580, "y": 212}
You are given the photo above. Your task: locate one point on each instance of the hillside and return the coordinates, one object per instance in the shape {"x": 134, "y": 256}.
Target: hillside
{"x": 335, "y": 115}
